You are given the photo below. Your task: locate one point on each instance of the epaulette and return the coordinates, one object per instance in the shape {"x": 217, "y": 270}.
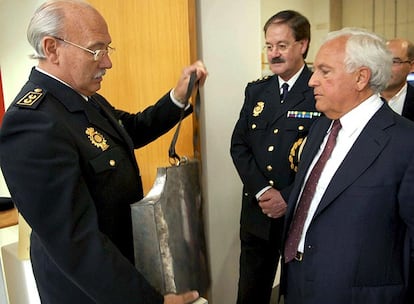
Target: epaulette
{"x": 260, "y": 80}
{"x": 31, "y": 99}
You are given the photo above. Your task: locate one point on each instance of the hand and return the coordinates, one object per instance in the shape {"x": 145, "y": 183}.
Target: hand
{"x": 181, "y": 88}
{"x": 182, "y": 298}
{"x": 272, "y": 203}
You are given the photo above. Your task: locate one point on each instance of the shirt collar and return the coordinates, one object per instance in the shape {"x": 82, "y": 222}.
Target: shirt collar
{"x": 292, "y": 79}
{"x": 61, "y": 81}
{"x": 358, "y": 117}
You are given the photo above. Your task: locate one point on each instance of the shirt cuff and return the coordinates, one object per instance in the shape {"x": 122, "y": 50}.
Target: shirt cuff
{"x": 178, "y": 103}
{"x": 259, "y": 194}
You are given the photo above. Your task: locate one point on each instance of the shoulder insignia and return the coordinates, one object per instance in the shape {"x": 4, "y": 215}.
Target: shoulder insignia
{"x": 262, "y": 79}
{"x": 31, "y": 98}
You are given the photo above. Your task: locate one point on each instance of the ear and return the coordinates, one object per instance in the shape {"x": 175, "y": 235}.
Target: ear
{"x": 50, "y": 48}
{"x": 363, "y": 76}
{"x": 304, "y": 45}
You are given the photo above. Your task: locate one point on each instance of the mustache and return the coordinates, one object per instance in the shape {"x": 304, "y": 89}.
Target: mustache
{"x": 100, "y": 74}
{"x": 277, "y": 60}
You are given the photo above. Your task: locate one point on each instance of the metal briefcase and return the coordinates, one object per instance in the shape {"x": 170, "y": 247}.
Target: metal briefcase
{"x": 168, "y": 231}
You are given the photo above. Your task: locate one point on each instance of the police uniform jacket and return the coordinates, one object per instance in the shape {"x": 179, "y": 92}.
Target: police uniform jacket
{"x": 71, "y": 171}
{"x": 266, "y": 142}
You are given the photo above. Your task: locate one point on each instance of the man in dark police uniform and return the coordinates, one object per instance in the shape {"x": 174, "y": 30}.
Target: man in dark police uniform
{"x": 68, "y": 159}
{"x": 265, "y": 147}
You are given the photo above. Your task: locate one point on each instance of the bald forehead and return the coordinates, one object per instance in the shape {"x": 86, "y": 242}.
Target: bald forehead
{"x": 84, "y": 21}
{"x": 79, "y": 12}
{"x": 400, "y": 43}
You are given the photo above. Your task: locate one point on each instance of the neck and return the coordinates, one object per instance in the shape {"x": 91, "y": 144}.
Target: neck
{"x": 390, "y": 92}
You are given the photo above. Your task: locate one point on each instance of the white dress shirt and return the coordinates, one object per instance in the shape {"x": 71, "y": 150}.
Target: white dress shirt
{"x": 397, "y": 101}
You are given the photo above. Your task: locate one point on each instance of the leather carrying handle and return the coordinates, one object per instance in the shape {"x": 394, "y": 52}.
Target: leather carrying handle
{"x": 174, "y": 157}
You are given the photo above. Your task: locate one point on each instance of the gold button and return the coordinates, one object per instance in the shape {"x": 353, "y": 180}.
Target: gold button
{"x": 246, "y": 194}
{"x": 37, "y": 90}
{"x": 269, "y": 168}
{"x": 271, "y": 183}
{"x": 112, "y": 163}
{"x": 276, "y": 131}
{"x": 270, "y": 148}
{"x": 254, "y": 126}
{"x": 301, "y": 128}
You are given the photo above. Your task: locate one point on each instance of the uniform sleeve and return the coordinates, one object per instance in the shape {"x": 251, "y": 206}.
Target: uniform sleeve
{"x": 154, "y": 121}
{"x": 40, "y": 163}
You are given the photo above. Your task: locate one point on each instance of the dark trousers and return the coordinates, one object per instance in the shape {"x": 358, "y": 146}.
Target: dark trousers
{"x": 295, "y": 278}
{"x": 258, "y": 264}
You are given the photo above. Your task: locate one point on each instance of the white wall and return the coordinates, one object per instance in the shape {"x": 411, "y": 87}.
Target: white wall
{"x": 229, "y": 34}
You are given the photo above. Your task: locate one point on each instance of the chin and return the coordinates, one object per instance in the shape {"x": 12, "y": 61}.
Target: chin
{"x": 278, "y": 68}
{"x": 321, "y": 107}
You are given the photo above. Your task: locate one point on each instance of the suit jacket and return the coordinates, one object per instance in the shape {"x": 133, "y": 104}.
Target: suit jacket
{"x": 266, "y": 140}
{"x": 408, "y": 108}
{"x": 72, "y": 174}
{"x": 357, "y": 247}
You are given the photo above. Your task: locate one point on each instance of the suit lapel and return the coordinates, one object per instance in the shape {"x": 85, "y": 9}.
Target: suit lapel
{"x": 296, "y": 94}
{"x": 363, "y": 153}
{"x": 116, "y": 125}
{"x": 74, "y": 102}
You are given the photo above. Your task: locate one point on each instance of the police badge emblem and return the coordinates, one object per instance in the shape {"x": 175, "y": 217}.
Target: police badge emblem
{"x": 96, "y": 138}
{"x": 258, "y": 108}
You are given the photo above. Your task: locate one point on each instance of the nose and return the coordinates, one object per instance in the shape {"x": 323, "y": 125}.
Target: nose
{"x": 312, "y": 81}
{"x": 274, "y": 52}
{"x": 106, "y": 62}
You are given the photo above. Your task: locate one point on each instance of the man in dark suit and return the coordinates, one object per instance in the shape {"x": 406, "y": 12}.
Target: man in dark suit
{"x": 355, "y": 241}
{"x": 265, "y": 146}
{"x": 399, "y": 93}
{"x": 68, "y": 159}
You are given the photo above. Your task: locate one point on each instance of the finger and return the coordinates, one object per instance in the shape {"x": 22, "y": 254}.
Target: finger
{"x": 201, "y": 71}
{"x": 190, "y": 296}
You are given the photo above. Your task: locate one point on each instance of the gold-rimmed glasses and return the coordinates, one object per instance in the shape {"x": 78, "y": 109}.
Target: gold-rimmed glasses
{"x": 281, "y": 46}
{"x": 97, "y": 54}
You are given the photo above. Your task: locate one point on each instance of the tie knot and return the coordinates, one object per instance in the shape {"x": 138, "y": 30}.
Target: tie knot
{"x": 285, "y": 90}
{"x": 336, "y": 126}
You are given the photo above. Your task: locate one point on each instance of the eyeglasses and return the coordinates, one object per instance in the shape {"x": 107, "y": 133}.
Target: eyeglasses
{"x": 97, "y": 55}
{"x": 281, "y": 47}
{"x": 396, "y": 61}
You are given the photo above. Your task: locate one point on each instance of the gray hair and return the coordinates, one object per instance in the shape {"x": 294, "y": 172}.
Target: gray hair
{"x": 366, "y": 49}
{"x": 48, "y": 21}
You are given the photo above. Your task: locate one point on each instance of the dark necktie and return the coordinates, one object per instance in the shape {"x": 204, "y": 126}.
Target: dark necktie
{"x": 298, "y": 222}
{"x": 94, "y": 103}
{"x": 285, "y": 90}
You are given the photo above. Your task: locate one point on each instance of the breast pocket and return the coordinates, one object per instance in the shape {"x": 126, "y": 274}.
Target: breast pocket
{"x": 108, "y": 160}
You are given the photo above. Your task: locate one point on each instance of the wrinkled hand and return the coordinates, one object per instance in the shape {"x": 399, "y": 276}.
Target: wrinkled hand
{"x": 182, "y": 298}
{"x": 272, "y": 203}
{"x": 180, "y": 89}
